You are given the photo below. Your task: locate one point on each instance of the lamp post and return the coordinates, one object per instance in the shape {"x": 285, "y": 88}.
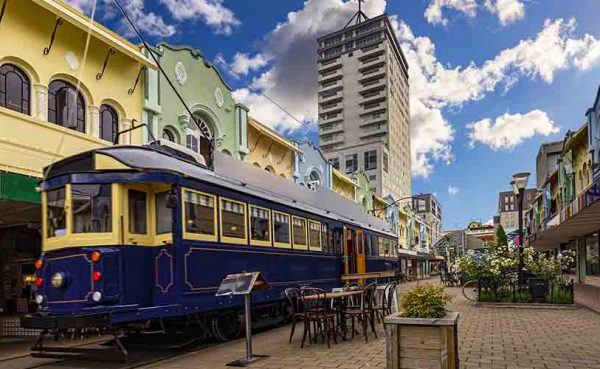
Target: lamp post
{"x": 519, "y": 184}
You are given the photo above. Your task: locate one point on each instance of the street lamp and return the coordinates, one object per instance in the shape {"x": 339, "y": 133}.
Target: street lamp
{"x": 519, "y": 184}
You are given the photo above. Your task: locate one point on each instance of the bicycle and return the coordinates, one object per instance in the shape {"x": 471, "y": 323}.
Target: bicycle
{"x": 469, "y": 290}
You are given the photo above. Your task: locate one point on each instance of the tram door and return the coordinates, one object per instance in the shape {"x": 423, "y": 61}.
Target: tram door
{"x": 349, "y": 251}
{"x": 360, "y": 252}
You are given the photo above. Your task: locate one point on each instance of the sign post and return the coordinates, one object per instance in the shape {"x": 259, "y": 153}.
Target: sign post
{"x": 244, "y": 284}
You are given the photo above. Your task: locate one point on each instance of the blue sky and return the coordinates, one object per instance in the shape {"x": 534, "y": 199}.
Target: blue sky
{"x": 490, "y": 79}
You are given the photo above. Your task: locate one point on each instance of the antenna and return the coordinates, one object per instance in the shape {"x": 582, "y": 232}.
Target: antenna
{"x": 359, "y": 16}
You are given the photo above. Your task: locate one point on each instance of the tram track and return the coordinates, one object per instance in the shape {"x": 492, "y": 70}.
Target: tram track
{"x": 138, "y": 358}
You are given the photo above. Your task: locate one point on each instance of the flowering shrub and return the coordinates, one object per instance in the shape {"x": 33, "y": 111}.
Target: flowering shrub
{"x": 425, "y": 301}
{"x": 500, "y": 263}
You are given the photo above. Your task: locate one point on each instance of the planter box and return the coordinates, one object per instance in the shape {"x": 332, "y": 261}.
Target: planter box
{"x": 414, "y": 343}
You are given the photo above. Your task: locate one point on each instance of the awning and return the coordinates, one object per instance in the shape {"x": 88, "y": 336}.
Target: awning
{"x": 579, "y": 218}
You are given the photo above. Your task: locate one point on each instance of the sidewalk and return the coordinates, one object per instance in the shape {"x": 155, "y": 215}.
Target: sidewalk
{"x": 496, "y": 338}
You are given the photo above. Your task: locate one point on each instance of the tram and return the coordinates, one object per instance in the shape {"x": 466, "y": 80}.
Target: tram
{"x": 142, "y": 235}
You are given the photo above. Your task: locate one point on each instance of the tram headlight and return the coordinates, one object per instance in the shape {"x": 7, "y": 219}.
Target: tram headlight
{"x": 57, "y": 280}
{"x": 97, "y": 296}
{"x": 39, "y": 299}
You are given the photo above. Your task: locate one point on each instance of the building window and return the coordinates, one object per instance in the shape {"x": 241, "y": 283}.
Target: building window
{"x": 66, "y": 106}
{"x": 260, "y": 225}
{"x": 92, "y": 208}
{"x": 168, "y": 135}
{"x": 299, "y": 232}
{"x": 109, "y": 123}
{"x": 335, "y": 162}
{"x": 56, "y": 224}
{"x": 191, "y": 142}
{"x": 351, "y": 163}
{"x": 385, "y": 162}
{"x": 138, "y": 212}
{"x": 200, "y": 213}
{"x": 371, "y": 160}
{"x": 281, "y": 229}
{"x": 14, "y": 89}
{"x": 233, "y": 219}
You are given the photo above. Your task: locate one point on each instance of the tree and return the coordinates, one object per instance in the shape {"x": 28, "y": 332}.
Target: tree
{"x": 501, "y": 238}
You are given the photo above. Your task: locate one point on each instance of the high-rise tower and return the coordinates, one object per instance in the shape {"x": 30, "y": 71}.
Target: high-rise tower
{"x": 364, "y": 118}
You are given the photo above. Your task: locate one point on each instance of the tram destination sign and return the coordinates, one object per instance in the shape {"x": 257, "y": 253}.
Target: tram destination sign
{"x": 242, "y": 284}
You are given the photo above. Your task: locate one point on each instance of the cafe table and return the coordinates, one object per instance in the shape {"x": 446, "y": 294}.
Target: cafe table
{"x": 342, "y": 296}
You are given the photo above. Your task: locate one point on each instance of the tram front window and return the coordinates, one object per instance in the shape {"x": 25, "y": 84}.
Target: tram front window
{"x": 92, "y": 208}
{"x": 163, "y": 214}
{"x": 55, "y": 212}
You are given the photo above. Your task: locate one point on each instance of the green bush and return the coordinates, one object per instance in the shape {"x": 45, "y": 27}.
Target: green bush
{"x": 425, "y": 301}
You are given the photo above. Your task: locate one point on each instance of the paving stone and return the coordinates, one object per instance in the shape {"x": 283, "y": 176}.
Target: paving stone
{"x": 491, "y": 338}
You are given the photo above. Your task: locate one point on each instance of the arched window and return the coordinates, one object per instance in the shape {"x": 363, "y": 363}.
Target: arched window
{"x": 109, "y": 123}
{"x": 14, "y": 89}
{"x": 167, "y": 134}
{"x": 66, "y": 106}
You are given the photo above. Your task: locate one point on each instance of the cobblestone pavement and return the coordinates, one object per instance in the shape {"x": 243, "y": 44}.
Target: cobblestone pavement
{"x": 502, "y": 338}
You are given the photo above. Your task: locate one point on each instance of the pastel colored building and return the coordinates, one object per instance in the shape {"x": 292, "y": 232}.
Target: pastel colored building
{"x": 220, "y": 118}
{"x": 67, "y": 85}
{"x": 343, "y": 185}
{"x": 311, "y": 168}
{"x": 270, "y": 151}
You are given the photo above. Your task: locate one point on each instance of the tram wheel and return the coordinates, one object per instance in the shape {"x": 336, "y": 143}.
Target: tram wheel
{"x": 227, "y": 326}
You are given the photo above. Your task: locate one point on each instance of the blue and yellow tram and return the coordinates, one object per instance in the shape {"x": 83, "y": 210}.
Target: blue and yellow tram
{"x": 134, "y": 234}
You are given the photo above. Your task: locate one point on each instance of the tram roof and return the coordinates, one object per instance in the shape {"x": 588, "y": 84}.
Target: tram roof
{"x": 239, "y": 176}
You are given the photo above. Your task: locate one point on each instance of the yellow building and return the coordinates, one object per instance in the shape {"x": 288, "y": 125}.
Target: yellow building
{"x": 269, "y": 150}
{"x": 64, "y": 88}
{"x": 343, "y": 185}
{"x": 380, "y": 206}
{"x": 403, "y": 229}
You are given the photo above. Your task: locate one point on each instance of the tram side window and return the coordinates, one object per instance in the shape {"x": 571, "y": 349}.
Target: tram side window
{"x": 314, "y": 235}
{"x": 260, "y": 224}
{"x": 199, "y": 213}
{"x": 55, "y": 212}
{"x": 233, "y": 219}
{"x": 164, "y": 214}
{"x": 138, "y": 218}
{"x": 327, "y": 238}
{"x": 281, "y": 228}
{"x": 338, "y": 236}
{"x": 92, "y": 208}
{"x": 299, "y": 231}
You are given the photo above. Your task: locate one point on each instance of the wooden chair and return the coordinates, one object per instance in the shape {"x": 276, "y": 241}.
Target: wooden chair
{"x": 365, "y": 313}
{"x": 292, "y": 296}
{"x": 319, "y": 320}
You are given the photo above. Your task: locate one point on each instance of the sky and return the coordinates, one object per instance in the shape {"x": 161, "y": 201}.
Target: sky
{"x": 490, "y": 80}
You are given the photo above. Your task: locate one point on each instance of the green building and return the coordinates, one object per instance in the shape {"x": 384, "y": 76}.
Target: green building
{"x": 205, "y": 92}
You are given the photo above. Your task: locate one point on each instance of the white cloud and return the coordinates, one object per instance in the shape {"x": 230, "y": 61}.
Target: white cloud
{"x": 290, "y": 77}
{"x": 212, "y": 13}
{"x": 242, "y": 63}
{"x": 508, "y": 11}
{"x": 434, "y": 12}
{"x": 452, "y": 191}
{"x": 509, "y": 130}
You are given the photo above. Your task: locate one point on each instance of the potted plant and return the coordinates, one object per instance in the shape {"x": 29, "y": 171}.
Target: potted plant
{"x": 423, "y": 334}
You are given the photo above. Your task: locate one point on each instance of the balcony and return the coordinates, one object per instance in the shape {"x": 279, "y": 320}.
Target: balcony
{"x": 373, "y": 74}
{"x": 372, "y": 97}
{"x": 331, "y": 98}
{"x": 326, "y": 64}
{"x": 330, "y": 108}
{"x": 330, "y": 75}
{"x": 375, "y": 132}
{"x": 331, "y": 118}
{"x": 372, "y": 84}
{"x": 368, "y": 51}
{"x": 324, "y": 87}
{"x": 380, "y": 107}
{"x": 28, "y": 144}
{"x": 372, "y": 63}
{"x": 331, "y": 139}
{"x": 373, "y": 119}
{"x": 329, "y": 128}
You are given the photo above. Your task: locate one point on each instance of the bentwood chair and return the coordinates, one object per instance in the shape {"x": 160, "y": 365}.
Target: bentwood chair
{"x": 385, "y": 301}
{"x": 365, "y": 313}
{"x": 292, "y": 296}
{"x": 319, "y": 320}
